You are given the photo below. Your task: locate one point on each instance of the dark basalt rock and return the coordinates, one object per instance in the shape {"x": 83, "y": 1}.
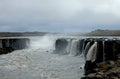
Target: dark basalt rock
{"x": 107, "y": 63}
{"x": 89, "y": 67}
{"x": 105, "y": 70}
{"x": 60, "y": 46}
{"x": 100, "y": 51}
{"x": 6, "y": 50}
{"x": 81, "y": 43}
{"x": 9, "y": 45}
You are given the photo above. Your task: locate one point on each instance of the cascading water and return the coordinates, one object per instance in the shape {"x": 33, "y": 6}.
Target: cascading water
{"x": 38, "y": 61}
{"x": 92, "y": 52}
{"x": 74, "y": 47}
{"x": 62, "y": 46}
{"x": 44, "y": 42}
{"x": 103, "y": 50}
{"x": 81, "y": 45}
{"x": 86, "y": 49}
{"x": 68, "y": 48}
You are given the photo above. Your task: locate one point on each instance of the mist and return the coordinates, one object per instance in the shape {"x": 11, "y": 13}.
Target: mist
{"x": 43, "y": 42}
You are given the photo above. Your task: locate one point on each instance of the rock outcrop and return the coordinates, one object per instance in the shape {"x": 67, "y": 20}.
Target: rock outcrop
{"x": 11, "y": 44}
{"x": 102, "y": 55}
{"x": 105, "y": 70}
{"x": 107, "y": 62}
{"x": 69, "y": 46}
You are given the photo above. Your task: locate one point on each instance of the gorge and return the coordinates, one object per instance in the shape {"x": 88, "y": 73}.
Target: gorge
{"x": 52, "y": 50}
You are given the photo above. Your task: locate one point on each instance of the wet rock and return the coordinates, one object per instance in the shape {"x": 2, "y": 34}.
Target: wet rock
{"x": 111, "y": 63}
{"x": 105, "y": 70}
{"x": 92, "y": 76}
{"x": 102, "y": 66}
{"x": 9, "y": 45}
{"x": 119, "y": 56}
{"x": 100, "y": 73}
{"x": 60, "y": 46}
{"x": 117, "y": 62}
{"x": 99, "y": 76}
{"x": 6, "y": 50}
{"x": 107, "y": 60}
{"x": 89, "y": 67}
{"x": 80, "y": 67}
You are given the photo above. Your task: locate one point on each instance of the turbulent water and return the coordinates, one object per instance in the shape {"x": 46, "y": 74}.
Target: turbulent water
{"x": 39, "y": 62}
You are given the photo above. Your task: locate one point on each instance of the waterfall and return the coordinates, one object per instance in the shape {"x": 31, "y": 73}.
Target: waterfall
{"x": 68, "y": 48}
{"x": 43, "y": 42}
{"x": 103, "y": 50}
{"x": 91, "y": 55}
{"x": 61, "y": 46}
{"x": 81, "y": 45}
{"x": 74, "y": 47}
{"x": 86, "y": 49}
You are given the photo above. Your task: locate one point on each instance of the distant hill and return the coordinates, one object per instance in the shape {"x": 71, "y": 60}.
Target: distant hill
{"x": 93, "y": 33}
{"x": 104, "y": 33}
{"x": 17, "y": 34}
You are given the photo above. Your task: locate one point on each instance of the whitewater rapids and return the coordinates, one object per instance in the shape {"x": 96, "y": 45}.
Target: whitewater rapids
{"x": 39, "y": 62}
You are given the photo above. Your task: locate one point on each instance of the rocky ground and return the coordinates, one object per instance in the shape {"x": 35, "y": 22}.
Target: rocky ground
{"x": 105, "y": 70}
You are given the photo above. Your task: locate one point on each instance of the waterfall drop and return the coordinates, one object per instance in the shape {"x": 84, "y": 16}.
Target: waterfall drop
{"x": 74, "y": 47}
{"x": 91, "y": 55}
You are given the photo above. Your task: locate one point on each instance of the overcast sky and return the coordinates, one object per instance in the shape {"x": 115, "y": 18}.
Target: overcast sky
{"x": 59, "y": 15}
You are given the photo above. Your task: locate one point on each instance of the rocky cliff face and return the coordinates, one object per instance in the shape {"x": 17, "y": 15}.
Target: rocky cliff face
{"x": 102, "y": 55}
{"x": 107, "y": 61}
{"x": 105, "y": 70}
{"x": 9, "y": 45}
{"x": 69, "y": 46}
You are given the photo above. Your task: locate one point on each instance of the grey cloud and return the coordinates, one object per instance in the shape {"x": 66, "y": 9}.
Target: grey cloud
{"x": 58, "y": 15}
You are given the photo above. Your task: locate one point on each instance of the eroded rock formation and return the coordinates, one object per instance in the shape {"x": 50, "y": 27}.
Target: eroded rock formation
{"x": 106, "y": 64}
{"x": 9, "y": 45}
{"x": 102, "y": 55}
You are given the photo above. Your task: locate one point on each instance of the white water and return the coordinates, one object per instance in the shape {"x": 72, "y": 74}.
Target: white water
{"x": 44, "y": 42}
{"x": 73, "y": 49}
{"x": 38, "y": 62}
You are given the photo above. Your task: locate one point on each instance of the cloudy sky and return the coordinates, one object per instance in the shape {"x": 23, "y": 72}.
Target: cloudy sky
{"x": 59, "y": 15}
